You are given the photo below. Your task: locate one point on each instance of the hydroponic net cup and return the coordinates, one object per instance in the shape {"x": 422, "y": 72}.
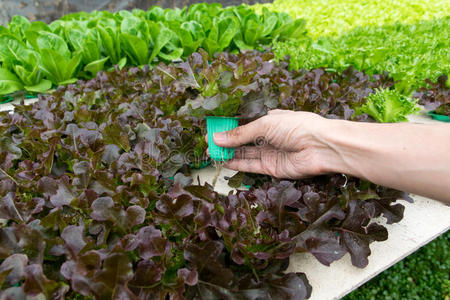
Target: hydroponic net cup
{"x": 434, "y": 115}
{"x": 220, "y": 124}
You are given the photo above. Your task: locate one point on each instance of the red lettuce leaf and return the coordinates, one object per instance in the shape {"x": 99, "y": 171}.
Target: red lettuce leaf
{"x": 98, "y": 200}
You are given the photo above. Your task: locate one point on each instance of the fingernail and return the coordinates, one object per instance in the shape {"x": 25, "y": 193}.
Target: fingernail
{"x": 220, "y": 137}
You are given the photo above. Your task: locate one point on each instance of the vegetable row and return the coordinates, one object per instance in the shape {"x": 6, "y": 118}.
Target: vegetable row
{"x": 35, "y": 56}
{"x": 332, "y": 18}
{"x": 96, "y": 190}
{"x": 409, "y": 53}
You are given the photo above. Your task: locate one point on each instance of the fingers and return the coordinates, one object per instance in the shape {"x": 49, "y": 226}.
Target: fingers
{"x": 276, "y": 164}
{"x": 247, "y": 165}
{"x": 241, "y": 135}
{"x": 262, "y": 160}
{"x": 250, "y": 132}
{"x": 252, "y": 152}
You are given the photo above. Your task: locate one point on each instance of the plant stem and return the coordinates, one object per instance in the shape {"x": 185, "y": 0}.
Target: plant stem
{"x": 182, "y": 227}
{"x": 256, "y": 274}
{"x": 145, "y": 286}
{"x": 346, "y": 230}
{"x": 9, "y": 176}
{"x": 251, "y": 217}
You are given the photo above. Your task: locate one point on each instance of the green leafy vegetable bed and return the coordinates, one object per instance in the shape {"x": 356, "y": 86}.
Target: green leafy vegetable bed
{"x": 34, "y": 56}
{"x": 91, "y": 209}
{"x": 336, "y": 17}
{"x": 409, "y": 53}
{"x": 95, "y": 182}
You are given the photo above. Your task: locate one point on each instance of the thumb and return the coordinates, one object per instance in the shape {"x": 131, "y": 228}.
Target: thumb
{"x": 241, "y": 135}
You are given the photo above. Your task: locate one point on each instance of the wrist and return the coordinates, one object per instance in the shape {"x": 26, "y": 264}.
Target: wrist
{"x": 332, "y": 147}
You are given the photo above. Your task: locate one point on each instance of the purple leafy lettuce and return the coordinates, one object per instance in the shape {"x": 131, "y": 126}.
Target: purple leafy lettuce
{"x": 97, "y": 199}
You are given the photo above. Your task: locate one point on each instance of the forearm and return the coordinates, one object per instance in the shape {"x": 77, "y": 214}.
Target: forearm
{"x": 410, "y": 157}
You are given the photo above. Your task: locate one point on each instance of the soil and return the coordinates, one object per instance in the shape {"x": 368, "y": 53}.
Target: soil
{"x": 50, "y": 10}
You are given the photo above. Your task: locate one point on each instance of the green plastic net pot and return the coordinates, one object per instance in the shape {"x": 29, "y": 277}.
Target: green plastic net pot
{"x": 201, "y": 165}
{"x": 8, "y": 98}
{"x": 220, "y": 124}
{"x": 435, "y": 116}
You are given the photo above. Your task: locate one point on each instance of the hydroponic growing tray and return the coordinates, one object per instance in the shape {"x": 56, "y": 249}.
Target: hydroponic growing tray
{"x": 423, "y": 220}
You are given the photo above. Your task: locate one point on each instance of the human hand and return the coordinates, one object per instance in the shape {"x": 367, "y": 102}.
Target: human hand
{"x": 287, "y": 144}
{"x": 407, "y": 157}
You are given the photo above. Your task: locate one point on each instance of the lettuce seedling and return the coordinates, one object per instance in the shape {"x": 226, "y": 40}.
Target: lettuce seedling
{"x": 389, "y": 106}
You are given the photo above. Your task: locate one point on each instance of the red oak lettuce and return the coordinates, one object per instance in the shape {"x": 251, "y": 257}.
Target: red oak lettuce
{"x": 97, "y": 199}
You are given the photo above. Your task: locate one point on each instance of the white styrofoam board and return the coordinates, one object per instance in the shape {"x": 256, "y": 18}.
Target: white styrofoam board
{"x": 207, "y": 174}
{"x": 422, "y": 118}
{"x": 423, "y": 220}
{"x": 10, "y": 107}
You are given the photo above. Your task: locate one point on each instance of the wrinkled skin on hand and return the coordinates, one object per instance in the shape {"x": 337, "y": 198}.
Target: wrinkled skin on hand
{"x": 283, "y": 144}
